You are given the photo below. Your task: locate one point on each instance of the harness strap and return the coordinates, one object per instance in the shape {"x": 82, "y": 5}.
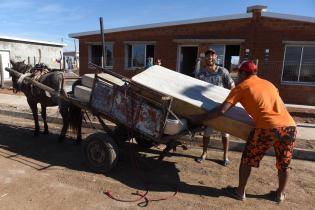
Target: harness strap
{"x": 20, "y": 80}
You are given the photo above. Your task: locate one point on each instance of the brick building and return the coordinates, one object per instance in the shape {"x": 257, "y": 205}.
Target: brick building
{"x": 284, "y": 46}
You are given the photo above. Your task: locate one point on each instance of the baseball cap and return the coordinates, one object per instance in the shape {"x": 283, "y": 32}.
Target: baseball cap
{"x": 248, "y": 66}
{"x": 210, "y": 51}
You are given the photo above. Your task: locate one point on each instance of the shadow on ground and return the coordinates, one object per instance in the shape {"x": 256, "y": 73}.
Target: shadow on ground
{"x": 139, "y": 171}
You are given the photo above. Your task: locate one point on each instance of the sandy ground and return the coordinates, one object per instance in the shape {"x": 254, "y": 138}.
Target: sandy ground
{"x": 39, "y": 173}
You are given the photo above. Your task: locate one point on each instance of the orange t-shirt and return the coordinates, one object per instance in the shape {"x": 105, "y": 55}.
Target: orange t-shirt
{"x": 261, "y": 100}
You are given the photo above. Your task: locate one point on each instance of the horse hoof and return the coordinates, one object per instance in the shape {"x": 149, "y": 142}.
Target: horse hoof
{"x": 78, "y": 142}
{"x": 36, "y": 134}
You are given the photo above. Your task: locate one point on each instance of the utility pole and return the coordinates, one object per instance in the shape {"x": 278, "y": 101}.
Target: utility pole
{"x": 103, "y": 43}
{"x": 61, "y": 58}
{"x": 75, "y": 47}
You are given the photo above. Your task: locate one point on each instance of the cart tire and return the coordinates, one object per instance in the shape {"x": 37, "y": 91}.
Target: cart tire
{"x": 143, "y": 142}
{"x": 101, "y": 152}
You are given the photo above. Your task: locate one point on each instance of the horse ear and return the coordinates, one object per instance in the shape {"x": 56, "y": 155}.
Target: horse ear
{"x": 23, "y": 61}
{"x": 12, "y": 62}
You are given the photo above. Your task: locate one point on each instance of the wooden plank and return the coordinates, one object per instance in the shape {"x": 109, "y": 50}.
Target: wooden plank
{"x": 88, "y": 79}
{"x": 193, "y": 96}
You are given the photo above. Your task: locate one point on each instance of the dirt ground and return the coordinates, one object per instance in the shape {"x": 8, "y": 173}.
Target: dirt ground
{"x": 39, "y": 173}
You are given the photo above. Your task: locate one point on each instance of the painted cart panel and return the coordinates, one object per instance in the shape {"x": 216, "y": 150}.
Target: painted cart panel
{"x": 125, "y": 107}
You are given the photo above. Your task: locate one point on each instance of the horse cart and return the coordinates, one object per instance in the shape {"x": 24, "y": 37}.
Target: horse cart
{"x": 139, "y": 112}
{"x": 145, "y": 108}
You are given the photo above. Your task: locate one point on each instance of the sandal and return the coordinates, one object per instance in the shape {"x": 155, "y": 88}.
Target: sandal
{"x": 226, "y": 162}
{"x": 232, "y": 192}
{"x": 281, "y": 198}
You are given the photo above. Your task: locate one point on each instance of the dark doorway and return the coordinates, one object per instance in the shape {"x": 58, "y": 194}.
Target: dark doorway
{"x": 188, "y": 59}
{"x": 150, "y": 51}
{"x": 232, "y": 54}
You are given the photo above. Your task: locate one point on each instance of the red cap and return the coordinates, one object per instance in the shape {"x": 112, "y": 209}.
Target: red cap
{"x": 248, "y": 66}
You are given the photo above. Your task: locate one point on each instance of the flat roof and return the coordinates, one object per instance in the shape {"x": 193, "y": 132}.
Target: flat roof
{"x": 288, "y": 17}
{"x": 164, "y": 24}
{"x": 198, "y": 20}
{"x": 32, "y": 41}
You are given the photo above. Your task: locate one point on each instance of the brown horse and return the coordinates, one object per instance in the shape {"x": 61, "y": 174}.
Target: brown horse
{"x": 71, "y": 115}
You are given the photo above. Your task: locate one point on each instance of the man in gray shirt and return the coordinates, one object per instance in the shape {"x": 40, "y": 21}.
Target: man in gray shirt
{"x": 217, "y": 75}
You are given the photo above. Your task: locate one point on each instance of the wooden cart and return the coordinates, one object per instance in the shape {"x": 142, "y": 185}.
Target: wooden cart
{"x": 138, "y": 112}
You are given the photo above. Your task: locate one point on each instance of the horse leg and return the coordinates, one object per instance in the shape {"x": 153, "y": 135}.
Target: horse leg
{"x": 44, "y": 117}
{"x": 33, "y": 106}
{"x": 63, "y": 109}
{"x": 79, "y": 126}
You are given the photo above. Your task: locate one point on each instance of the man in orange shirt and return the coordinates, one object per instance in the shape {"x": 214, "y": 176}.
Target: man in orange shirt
{"x": 274, "y": 127}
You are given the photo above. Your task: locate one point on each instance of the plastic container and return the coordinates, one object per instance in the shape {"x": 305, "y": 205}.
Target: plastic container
{"x": 174, "y": 126}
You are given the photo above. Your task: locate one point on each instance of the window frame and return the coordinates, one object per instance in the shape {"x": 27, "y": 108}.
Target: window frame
{"x": 300, "y": 65}
{"x": 90, "y": 45}
{"x": 132, "y": 43}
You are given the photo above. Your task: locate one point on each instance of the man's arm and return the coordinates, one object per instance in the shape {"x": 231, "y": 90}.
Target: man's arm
{"x": 216, "y": 112}
{"x": 229, "y": 82}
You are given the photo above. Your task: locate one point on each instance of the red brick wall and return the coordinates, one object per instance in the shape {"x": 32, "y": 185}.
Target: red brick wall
{"x": 165, "y": 47}
{"x": 259, "y": 33}
{"x": 270, "y": 35}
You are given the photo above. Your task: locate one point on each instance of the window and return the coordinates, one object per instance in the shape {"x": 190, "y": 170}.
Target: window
{"x": 95, "y": 54}
{"x": 299, "y": 64}
{"x": 228, "y": 55}
{"x": 138, "y": 54}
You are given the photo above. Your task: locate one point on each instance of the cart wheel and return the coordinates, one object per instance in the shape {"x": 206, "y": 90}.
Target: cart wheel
{"x": 143, "y": 142}
{"x": 100, "y": 152}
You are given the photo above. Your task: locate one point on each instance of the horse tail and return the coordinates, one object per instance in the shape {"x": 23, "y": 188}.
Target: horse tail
{"x": 75, "y": 118}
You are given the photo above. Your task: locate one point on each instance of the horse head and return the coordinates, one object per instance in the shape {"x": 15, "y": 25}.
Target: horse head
{"x": 20, "y": 67}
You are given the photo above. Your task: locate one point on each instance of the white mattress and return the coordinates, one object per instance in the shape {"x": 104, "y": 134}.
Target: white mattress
{"x": 190, "y": 90}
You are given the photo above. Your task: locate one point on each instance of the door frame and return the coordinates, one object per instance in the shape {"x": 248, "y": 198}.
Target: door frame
{"x": 3, "y": 66}
{"x": 179, "y": 51}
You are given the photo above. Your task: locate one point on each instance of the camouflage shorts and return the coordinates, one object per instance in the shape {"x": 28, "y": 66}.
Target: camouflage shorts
{"x": 260, "y": 140}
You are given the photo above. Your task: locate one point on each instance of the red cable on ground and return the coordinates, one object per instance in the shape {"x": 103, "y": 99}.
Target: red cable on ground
{"x": 136, "y": 166}
{"x": 109, "y": 194}
{"x": 142, "y": 196}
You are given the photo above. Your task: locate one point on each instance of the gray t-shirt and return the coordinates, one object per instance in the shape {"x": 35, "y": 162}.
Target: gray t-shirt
{"x": 221, "y": 77}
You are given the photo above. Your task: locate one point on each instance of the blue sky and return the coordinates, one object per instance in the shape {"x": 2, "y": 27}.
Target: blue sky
{"x": 54, "y": 20}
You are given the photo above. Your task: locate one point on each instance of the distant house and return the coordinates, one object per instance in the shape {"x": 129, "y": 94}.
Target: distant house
{"x": 71, "y": 60}
{"x": 284, "y": 46}
{"x": 31, "y": 51}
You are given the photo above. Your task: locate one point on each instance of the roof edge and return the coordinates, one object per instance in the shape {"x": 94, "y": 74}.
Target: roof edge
{"x": 32, "y": 41}
{"x": 288, "y": 17}
{"x": 164, "y": 24}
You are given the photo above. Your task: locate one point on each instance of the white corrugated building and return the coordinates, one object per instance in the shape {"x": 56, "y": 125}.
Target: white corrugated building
{"x": 20, "y": 49}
